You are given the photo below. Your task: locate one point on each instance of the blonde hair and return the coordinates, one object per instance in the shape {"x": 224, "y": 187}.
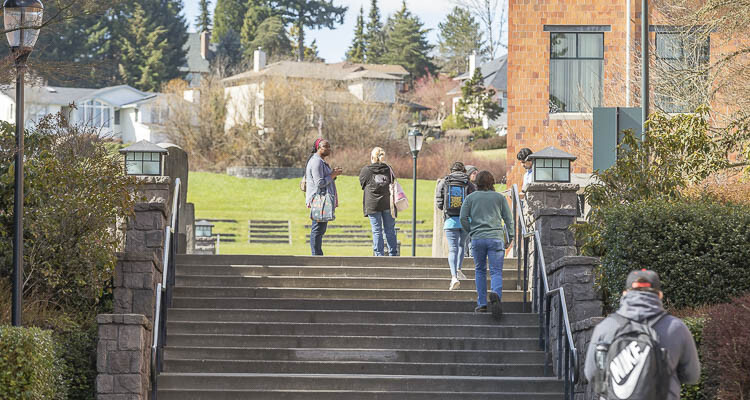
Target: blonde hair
{"x": 377, "y": 155}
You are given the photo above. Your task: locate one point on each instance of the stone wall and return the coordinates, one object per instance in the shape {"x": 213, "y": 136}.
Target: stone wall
{"x": 123, "y": 357}
{"x": 266, "y": 172}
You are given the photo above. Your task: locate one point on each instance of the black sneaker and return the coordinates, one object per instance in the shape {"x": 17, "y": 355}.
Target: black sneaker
{"x": 481, "y": 309}
{"x": 495, "y": 307}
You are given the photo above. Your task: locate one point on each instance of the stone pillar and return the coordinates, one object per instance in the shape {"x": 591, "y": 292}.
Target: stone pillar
{"x": 136, "y": 276}
{"x": 582, "y": 332}
{"x": 123, "y": 357}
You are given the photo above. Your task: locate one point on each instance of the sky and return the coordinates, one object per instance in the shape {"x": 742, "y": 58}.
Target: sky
{"x": 333, "y": 43}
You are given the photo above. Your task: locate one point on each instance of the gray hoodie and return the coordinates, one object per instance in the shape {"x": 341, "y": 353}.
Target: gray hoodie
{"x": 673, "y": 334}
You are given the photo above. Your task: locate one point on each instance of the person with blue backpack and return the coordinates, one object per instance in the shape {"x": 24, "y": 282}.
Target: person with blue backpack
{"x": 641, "y": 352}
{"x": 450, "y": 194}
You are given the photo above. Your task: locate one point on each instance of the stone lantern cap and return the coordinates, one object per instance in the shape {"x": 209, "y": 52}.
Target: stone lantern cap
{"x": 143, "y": 146}
{"x": 203, "y": 222}
{"x": 552, "y": 152}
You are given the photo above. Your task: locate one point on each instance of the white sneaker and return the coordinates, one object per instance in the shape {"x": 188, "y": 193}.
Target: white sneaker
{"x": 454, "y": 284}
{"x": 461, "y": 275}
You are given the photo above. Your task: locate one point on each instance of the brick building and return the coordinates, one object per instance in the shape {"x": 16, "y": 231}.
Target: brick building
{"x": 566, "y": 57}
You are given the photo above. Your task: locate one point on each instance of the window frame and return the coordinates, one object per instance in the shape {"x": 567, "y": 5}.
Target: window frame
{"x": 552, "y": 169}
{"x": 136, "y": 158}
{"x": 577, "y": 34}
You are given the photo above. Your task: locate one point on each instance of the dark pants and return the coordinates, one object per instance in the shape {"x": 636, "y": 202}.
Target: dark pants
{"x": 316, "y": 237}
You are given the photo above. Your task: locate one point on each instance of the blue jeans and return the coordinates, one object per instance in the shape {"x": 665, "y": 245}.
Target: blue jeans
{"x": 383, "y": 222}
{"x": 494, "y": 251}
{"x": 456, "y": 243}
{"x": 316, "y": 237}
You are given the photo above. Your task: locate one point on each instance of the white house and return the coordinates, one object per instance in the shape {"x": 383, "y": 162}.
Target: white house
{"x": 495, "y": 76}
{"x": 119, "y": 112}
{"x": 354, "y": 83}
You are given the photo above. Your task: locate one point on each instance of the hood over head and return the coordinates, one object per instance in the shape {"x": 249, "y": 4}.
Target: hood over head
{"x": 379, "y": 168}
{"x": 639, "y": 305}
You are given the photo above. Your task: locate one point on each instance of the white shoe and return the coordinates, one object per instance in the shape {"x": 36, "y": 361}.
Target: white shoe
{"x": 461, "y": 275}
{"x": 454, "y": 284}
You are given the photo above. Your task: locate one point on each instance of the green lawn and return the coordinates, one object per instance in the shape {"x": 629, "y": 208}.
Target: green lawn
{"x": 219, "y": 196}
{"x": 491, "y": 154}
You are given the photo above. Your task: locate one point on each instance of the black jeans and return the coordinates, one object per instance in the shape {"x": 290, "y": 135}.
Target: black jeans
{"x": 316, "y": 237}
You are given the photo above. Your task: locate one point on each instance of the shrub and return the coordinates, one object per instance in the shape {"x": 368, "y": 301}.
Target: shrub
{"x": 726, "y": 350}
{"x": 696, "y": 392}
{"x": 77, "y": 350}
{"x": 478, "y": 132}
{"x": 454, "y": 121}
{"x": 699, "y": 248}
{"x": 29, "y": 368}
{"x": 494, "y": 142}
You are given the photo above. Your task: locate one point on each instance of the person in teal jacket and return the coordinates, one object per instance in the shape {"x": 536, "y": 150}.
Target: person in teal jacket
{"x": 485, "y": 214}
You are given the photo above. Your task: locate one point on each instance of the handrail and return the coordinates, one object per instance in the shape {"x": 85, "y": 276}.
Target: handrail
{"x": 542, "y": 300}
{"x": 164, "y": 289}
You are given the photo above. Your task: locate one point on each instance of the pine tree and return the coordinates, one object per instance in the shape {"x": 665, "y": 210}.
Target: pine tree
{"x": 168, "y": 14}
{"x": 257, "y": 12}
{"x": 314, "y": 14}
{"x": 374, "y": 39}
{"x": 228, "y": 15}
{"x": 143, "y": 46}
{"x": 406, "y": 44}
{"x": 228, "y": 56}
{"x": 460, "y": 35}
{"x": 272, "y": 38}
{"x": 477, "y": 101}
{"x": 203, "y": 20}
{"x": 357, "y": 50}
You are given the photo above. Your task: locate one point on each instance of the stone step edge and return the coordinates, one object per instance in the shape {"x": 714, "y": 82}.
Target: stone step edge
{"x": 357, "y": 376}
{"x": 167, "y": 348}
{"x": 461, "y": 338}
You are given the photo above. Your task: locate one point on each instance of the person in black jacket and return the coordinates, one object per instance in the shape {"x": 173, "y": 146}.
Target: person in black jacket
{"x": 375, "y": 180}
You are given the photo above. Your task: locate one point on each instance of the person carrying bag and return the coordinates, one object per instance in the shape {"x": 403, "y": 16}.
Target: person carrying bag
{"x": 321, "y": 196}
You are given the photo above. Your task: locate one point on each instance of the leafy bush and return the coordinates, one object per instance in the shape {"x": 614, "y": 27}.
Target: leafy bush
{"x": 480, "y": 133}
{"x": 77, "y": 350}
{"x": 696, "y": 392}
{"x": 726, "y": 349}
{"x": 699, "y": 248}
{"x": 29, "y": 368}
{"x": 454, "y": 121}
{"x": 491, "y": 143}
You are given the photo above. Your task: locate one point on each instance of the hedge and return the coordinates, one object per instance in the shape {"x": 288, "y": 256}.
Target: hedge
{"x": 699, "y": 248}
{"x": 726, "y": 350}
{"x": 29, "y": 367}
{"x": 696, "y": 392}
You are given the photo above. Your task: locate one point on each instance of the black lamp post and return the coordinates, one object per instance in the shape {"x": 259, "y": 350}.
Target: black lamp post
{"x": 415, "y": 144}
{"x": 22, "y": 20}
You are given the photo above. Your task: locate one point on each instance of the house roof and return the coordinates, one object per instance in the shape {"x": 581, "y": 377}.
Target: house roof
{"x": 551, "y": 152}
{"x": 310, "y": 70}
{"x": 143, "y": 146}
{"x": 494, "y": 74}
{"x": 117, "y": 96}
{"x": 194, "y": 62}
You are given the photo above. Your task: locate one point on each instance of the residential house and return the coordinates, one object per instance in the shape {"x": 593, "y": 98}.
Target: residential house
{"x": 344, "y": 83}
{"x": 495, "y": 76}
{"x": 199, "y": 51}
{"x": 566, "y": 58}
{"x": 119, "y": 112}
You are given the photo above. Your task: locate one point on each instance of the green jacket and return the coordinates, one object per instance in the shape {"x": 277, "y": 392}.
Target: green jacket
{"x": 483, "y": 214}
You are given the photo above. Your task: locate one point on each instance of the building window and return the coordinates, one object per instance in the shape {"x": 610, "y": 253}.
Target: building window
{"x": 159, "y": 114}
{"x": 94, "y": 113}
{"x": 117, "y": 117}
{"x": 576, "y": 71}
{"x": 682, "y": 61}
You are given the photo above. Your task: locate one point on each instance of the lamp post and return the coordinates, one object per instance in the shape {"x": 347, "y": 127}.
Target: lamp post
{"x": 415, "y": 144}
{"x": 22, "y": 19}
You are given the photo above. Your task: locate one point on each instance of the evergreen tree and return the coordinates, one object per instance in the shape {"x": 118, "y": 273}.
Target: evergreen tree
{"x": 356, "y": 53}
{"x": 314, "y": 14}
{"x": 168, "y": 14}
{"x": 257, "y": 12}
{"x": 228, "y": 57}
{"x": 272, "y": 38}
{"x": 143, "y": 46}
{"x": 228, "y": 15}
{"x": 203, "y": 20}
{"x": 460, "y": 35}
{"x": 477, "y": 101}
{"x": 310, "y": 53}
{"x": 374, "y": 39}
{"x": 406, "y": 44}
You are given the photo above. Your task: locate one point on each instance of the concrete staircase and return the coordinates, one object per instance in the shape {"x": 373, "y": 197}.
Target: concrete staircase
{"x": 284, "y": 327}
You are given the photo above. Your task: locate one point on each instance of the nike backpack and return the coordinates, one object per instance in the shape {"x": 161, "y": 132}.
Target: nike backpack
{"x": 633, "y": 366}
{"x": 454, "y": 193}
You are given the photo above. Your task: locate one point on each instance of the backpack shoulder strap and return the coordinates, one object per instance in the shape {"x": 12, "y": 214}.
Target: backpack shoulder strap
{"x": 657, "y": 318}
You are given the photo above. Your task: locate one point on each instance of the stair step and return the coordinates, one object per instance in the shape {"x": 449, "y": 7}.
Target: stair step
{"x": 320, "y": 282}
{"x": 362, "y": 382}
{"x": 353, "y": 354}
{"x": 361, "y": 342}
{"x": 338, "y": 316}
{"x": 229, "y": 394}
{"x": 356, "y": 329}
{"x": 331, "y": 261}
{"x": 315, "y": 293}
{"x": 336, "y": 304}
{"x": 349, "y": 367}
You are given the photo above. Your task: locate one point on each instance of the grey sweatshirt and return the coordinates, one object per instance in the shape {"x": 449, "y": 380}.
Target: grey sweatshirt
{"x": 673, "y": 334}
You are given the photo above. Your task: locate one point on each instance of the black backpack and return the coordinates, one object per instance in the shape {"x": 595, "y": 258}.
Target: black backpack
{"x": 454, "y": 193}
{"x": 633, "y": 366}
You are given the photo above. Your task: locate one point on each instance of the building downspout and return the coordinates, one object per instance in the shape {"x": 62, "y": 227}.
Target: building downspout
{"x": 627, "y": 53}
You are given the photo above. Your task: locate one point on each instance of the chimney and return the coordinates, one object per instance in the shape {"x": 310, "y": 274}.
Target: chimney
{"x": 205, "y": 39}
{"x": 259, "y": 60}
{"x": 473, "y": 63}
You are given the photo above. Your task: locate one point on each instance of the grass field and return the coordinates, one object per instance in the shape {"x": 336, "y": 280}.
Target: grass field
{"x": 491, "y": 154}
{"x": 219, "y": 196}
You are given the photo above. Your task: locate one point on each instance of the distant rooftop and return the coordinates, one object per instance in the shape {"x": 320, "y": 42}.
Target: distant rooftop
{"x": 340, "y": 71}
{"x": 494, "y": 73}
